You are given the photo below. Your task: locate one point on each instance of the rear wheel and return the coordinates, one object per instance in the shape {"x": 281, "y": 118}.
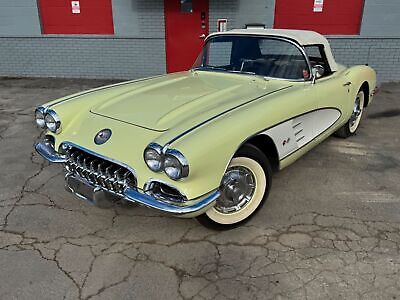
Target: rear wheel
{"x": 352, "y": 124}
{"x": 244, "y": 188}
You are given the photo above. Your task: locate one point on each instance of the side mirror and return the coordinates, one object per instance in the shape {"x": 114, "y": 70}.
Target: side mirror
{"x": 317, "y": 72}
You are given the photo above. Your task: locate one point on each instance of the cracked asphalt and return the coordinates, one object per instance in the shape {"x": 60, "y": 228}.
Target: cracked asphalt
{"x": 330, "y": 229}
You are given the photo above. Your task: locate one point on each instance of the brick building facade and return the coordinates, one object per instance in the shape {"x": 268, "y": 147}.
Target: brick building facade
{"x": 137, "y": 47}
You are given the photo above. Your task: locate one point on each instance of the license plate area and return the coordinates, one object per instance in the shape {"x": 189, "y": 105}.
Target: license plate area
{"x": 94, "y": 195}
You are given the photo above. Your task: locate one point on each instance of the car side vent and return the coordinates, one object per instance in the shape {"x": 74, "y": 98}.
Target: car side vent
{"x": 298, "y": 131}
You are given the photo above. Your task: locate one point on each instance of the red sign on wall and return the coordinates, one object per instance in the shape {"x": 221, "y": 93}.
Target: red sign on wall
{"x": 76, "y": 17}
{"x": 323, "y": 16}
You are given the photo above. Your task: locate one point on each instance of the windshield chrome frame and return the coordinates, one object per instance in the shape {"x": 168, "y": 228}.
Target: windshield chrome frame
{"x": 293, "y": 42}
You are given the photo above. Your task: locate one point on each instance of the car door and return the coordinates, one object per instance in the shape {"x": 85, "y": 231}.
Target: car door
{"x": 331, "y": 90}
{"x": 296, "y": 128}
{"x": 317, "y": 111}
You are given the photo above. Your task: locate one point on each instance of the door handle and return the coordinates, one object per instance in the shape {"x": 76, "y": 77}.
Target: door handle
{"x": 347, "y": 83}
{"x": 203, "y": 36}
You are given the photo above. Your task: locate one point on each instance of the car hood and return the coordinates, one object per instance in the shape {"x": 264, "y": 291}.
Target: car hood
{"x": 166, "y": 101}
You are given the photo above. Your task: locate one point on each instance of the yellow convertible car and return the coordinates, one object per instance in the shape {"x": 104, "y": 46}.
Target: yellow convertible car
{"x": 205, "y": 142}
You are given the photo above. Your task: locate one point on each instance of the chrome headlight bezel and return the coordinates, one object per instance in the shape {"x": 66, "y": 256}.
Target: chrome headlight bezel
{"x": 39, "y": 117}
{"x": 157, "y": 150}
{"x": 52, "y": 121}
{"x": 175, "y": 160}
{"x": 170, "y": 161}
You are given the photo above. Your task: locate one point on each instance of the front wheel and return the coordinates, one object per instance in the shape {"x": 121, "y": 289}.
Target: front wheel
{"x": 244, "y": 188}
{"x": 352, "y": 124}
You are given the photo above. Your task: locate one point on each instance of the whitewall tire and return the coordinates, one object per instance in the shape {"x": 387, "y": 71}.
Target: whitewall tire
{"x": 353, "y": 123}
{"x": 244, "y": 187}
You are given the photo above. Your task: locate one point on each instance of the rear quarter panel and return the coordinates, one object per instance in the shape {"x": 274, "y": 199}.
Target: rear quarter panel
{"x": 358, "y": 75}
{"x": 341, "y": 99}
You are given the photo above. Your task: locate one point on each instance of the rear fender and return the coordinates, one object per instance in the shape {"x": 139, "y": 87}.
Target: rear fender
{"x": 362, "y": 77}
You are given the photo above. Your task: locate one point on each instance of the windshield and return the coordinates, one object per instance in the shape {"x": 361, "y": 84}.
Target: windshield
{"x": 269, "y": 57}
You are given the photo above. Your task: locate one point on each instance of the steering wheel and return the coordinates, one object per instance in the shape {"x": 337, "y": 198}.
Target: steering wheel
{"x": 245, "y": 61}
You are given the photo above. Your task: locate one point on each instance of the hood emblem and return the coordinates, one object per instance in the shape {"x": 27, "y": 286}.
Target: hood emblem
{"x": 102, "y": 136}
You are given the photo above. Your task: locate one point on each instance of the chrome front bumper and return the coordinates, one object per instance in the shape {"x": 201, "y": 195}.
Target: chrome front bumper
{"x": 46, "y": 149}
{"x": 101, "y": 197}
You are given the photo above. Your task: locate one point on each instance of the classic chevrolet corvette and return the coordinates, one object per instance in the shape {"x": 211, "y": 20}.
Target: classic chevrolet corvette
{"x": 205, "y": 142}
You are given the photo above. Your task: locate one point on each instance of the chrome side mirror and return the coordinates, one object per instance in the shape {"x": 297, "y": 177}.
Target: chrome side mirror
{"x": 317, "y": 72}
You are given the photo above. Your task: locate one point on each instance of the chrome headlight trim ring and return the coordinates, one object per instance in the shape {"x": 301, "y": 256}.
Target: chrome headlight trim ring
{"x": 184, "y": 165}
{"x": 158, "y": 149}
{"x": 56, "y": 119}
{"x": 40, "y": 113}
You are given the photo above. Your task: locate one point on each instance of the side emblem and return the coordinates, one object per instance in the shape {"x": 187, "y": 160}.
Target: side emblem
{"x": 285, "y": 142}
{"x": 102, "y": 136}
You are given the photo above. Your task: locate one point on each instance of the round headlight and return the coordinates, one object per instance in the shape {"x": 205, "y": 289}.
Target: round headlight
{"x": 39, "y": 117}
{"x": 175, "y": 165}
{"x": 172, "y": 167}
{"x": 153, "y": 157}
{"x": 52, "y": 121}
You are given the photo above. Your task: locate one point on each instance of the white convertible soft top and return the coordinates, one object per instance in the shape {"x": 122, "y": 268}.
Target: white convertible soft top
{"x": 302, "y": 37}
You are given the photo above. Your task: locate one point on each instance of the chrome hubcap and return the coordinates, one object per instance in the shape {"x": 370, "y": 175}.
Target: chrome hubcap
{"x": 357, "y": 111}
{"x": 237, "y": 189}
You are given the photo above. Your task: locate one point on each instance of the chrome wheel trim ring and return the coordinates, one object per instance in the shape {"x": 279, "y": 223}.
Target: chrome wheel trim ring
{"x": 357, "y": 112}
{"x": 257, "y": 195}
{"x": 237, "y": 189}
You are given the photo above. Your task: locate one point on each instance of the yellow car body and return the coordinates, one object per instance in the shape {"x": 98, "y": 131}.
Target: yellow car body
{"x": 207, "y": 116}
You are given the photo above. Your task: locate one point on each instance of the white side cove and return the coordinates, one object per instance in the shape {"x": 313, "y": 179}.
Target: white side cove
{"x": 293, "y": 134}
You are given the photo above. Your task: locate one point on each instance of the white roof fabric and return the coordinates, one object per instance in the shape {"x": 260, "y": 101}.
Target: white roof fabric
{"x": 302, "y": 37}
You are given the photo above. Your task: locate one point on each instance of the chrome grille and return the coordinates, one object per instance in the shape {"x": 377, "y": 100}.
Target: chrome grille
{"x": 98, "y": 171}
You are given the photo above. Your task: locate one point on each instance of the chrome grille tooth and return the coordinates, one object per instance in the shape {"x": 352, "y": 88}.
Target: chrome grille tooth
{"x": 79, "y": 170}
{"x": 116, "y": 186}
{"x": 73, "y": 155}
{"x": 93, "y": 172}
{"x": 108, "y": 180}
{"x": 76, "y": 157}
{"x": 100, "y": 172}
{"x": 86, "y": 170}
{"x": 101, "y": 164}
{"x": 126, "y": 175}
{"x": 120, "y": 176}
{"x": 92, "y": 165}
{"x": 96, "y": 178}
{"x": 79, "y": 156}
{"x": 125, "y": 179}
{"x": 117, "y": 180}
{"x": 108, "y": 183}
{"x": 120, "y": 179}
{"x": 79, "y": 159}
{"x": 102, "y": 180}
{"x": 86, "y": 162}
{"x": 107, "y": 170}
